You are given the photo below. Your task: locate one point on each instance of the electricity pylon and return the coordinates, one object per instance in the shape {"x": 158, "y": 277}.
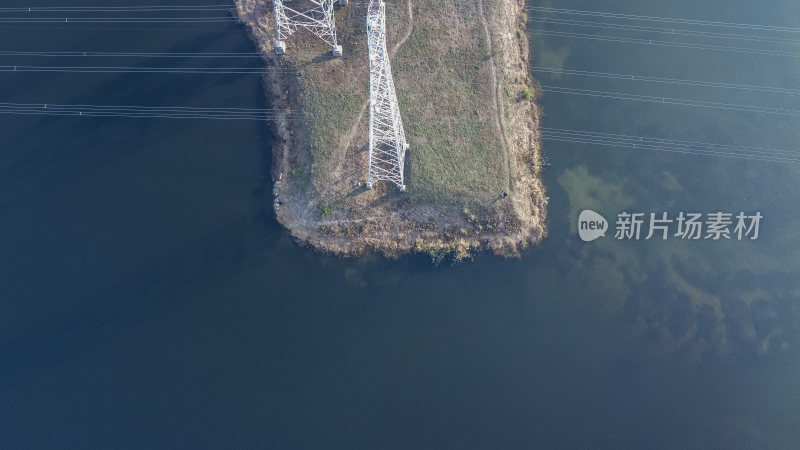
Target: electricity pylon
{"x": 314, "y": 15}
{"x": 387, "y": 139}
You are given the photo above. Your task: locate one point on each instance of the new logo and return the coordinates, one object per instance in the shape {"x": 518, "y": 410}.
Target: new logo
{"x": 591, "y": 225}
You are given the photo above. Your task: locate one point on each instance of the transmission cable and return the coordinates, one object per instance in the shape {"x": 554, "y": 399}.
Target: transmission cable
{"x": 183, "y": 112}
{"x": 117, "y": 19}
{"x": 671, "y": 101}
{"x": 709, "y": 23}
{"x": 655, "y": 42}
{"x": 90, "y": 9}
{"x": 678, "y": 81}
{"x": 134, "y": 54}
{"x": 667, "y": 145}
{"x": 672, "y": 31}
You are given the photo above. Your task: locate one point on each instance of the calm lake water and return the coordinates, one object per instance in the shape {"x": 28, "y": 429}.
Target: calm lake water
{"x": 149, "y": 299}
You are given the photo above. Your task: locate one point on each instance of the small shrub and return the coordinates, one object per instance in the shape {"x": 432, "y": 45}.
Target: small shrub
{"x": 527, "y": 93}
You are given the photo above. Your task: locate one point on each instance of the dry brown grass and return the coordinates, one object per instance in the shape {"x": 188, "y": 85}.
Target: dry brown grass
{"x": 444, "y": 89}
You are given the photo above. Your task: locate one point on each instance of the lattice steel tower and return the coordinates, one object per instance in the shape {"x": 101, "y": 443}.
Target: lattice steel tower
{"x": 387, "y": 140}
{"x": 314, "y": 15}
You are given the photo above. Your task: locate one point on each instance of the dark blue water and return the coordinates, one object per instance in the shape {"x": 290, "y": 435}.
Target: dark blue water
{"x": 148, "y": 298}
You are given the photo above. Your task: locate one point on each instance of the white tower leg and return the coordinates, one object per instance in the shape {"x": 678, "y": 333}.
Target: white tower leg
{"x": 387, "y": 140}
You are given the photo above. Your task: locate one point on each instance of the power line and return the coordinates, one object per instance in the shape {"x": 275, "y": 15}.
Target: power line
{"x": 672, "y": 31}
{"x": 122, "y": 69}
{"x": 710, "y": 23}
{"x": 148, "y": 27}
{"x": 655, "y": 42}
{"x": 116, "y": 19}
{"x": 131, "y": 115}
{"x": 606, "y": 143}
{"x": 678, "y": 81}
{"x": 671, "y": 101}
{"x": 135, "y": 54}
{"x": 685, "y": 143}
{"x": 143, "y": 108}
{"x": 142, "y": 111}
{"x": 667, "y": 145}
{"x": 116, "y": 8}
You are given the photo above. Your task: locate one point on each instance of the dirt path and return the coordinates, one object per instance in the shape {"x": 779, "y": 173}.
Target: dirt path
{"x": 495, "y": 95}
{"x": 354, "y": 129}
{"x": 409, "y": 30}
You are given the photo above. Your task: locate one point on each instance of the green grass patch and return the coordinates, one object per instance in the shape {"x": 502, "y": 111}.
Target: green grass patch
{"x": 330, "y": 112}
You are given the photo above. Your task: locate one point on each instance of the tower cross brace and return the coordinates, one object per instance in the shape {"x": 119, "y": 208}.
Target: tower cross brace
{"x": 316, "y": 16}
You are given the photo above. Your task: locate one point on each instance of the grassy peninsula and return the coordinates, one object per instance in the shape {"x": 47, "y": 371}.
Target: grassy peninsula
{"x": 469, "y": 108}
